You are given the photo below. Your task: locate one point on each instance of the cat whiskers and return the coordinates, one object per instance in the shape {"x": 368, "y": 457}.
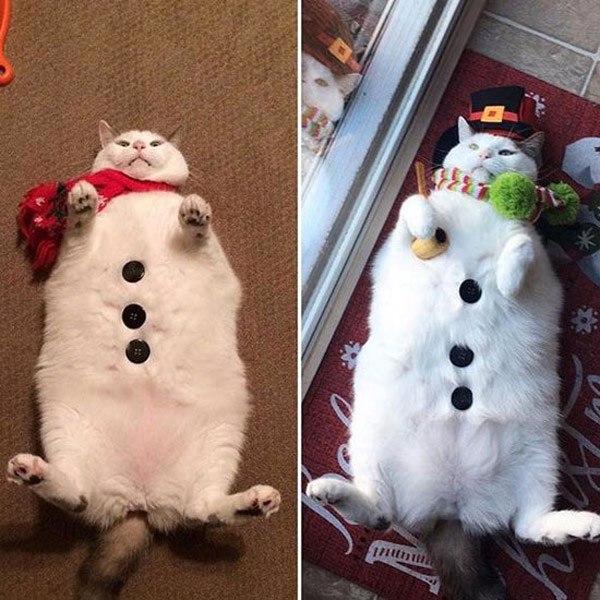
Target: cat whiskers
{"x": 430, "y": 168}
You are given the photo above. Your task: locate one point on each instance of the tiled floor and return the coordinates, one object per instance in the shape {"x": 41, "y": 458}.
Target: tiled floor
{"x": 558, "y": 42}
{"x": 319, "y": 584}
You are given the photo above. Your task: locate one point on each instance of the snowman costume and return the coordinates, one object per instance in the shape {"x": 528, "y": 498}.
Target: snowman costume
{"x": 456, "y": 392}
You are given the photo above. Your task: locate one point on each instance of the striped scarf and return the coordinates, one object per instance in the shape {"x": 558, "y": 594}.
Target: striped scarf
{"x": 316, "y": 123}
{"x": 456, "y": 180}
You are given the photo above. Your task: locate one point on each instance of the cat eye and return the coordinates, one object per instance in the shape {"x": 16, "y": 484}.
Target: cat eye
{"x": 474, "y": 146}
{"x": 506, "y": 152}
{"x": 122, "y": 143}
{"x": 321, "y": 82}
{"x": 156, "y": 143}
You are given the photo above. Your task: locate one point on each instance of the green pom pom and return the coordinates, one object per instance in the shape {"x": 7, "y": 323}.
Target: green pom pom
{"x": 513, "y": 196}
{"x": 566, "y": 214}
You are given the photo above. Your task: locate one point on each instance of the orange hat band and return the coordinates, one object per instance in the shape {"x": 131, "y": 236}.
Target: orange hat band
{"x": 340, "y": 50}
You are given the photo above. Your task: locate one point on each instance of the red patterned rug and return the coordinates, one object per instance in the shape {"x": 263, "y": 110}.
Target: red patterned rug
{"x": 393, "y": 563}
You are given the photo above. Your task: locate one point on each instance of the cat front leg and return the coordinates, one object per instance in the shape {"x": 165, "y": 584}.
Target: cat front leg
{"x": 353, "y": 504}
{"x": 47, "y": 481}
{"x": 82, "y": 204}
{"x": 513, "y": 265}
{"x": 195, "y": 215}
{"x": 418, "y": 216}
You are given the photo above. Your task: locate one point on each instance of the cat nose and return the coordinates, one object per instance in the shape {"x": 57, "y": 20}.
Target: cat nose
{"x": 139, "y": 146}
{"x": 484, "y": 155}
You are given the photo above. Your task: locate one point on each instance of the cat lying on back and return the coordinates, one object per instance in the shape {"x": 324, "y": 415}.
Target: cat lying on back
{"x": 456, "y": 410}
{"x": 141, "y": 391}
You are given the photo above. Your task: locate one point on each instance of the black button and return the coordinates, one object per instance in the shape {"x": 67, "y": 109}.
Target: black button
{"x": 462, "y": 398}
{"x": 133, "y": 316}
{"x": 137, "y": 351}
{"x": 470, "y": 291}
{"x": 133, "y": 271}
{"x": 461, "y": 356}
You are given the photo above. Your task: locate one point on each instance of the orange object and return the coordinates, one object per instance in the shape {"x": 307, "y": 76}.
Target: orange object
{"x": 6, "y": 71}
{"x": 421, "y": 182}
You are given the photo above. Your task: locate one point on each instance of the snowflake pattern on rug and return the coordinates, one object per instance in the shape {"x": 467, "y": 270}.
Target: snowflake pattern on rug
{"x": 584, "y": 320}
{"x": 586, "y": 239}
{"x": 540, "y": 104}
{"x": 350, "y": 354}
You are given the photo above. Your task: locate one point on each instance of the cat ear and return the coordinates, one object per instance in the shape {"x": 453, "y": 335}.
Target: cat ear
{"x": 347, "y": 83}
{"x": 176, "y": 135}
{"x": 107, "y": 133}
{"x": 465, "y": 131}
{"x": 532, "y": 146}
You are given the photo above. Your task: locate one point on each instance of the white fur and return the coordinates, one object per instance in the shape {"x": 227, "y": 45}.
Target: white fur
{"x": 479, "y": 155}
{"x": 162, "y": 162}
{"x": 415, "y": 458}
{"x": 163, "y": 436}
{"x": 323, "y": 89}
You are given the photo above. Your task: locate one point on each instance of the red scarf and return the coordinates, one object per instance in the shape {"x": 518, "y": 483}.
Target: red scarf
{"x": 43, "y": 212}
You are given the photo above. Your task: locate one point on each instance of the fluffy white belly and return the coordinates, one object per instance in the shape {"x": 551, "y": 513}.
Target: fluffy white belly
{"x": 457, "y": 381}
{"x": 453, "y": 469}
{"x": 137, "y": 414}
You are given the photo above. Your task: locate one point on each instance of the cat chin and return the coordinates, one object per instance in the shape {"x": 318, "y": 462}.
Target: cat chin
{"x": 481, "y": 174}
{"x": 139, "y": 170}
{"x": 175, "y": 175}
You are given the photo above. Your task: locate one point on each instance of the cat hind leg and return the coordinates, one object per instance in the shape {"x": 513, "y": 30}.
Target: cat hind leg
{"x": 232, "y": 509}
{"x": 47, "y": 481}
{"x": 560, "y": 527}
{"x": 535, "y": 519}
{"x": 353, "y": 504}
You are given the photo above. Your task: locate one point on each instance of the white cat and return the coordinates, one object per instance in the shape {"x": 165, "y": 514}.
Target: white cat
{"x": 456, "y": 391}
{"x": 142, "y": 393}
{"x": 323, "y": 97}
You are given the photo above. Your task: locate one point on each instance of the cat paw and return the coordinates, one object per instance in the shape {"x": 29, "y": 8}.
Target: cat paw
{"x": 26, "y": 469}
{"x": 82, "y": 202}
{"x": 195, "y": 215}
{"x": 562, "y": 527}
{"x": 419, "y": 216}
{"x": 260, "y": 500}
{"x": 326, "y": 491}
{"x": 347, "y": 500}
{"x": 513, "y": 264}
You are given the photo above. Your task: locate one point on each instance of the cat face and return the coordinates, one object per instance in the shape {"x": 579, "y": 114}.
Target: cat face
{"x": 324, "y": 90}
{"x": 142, "y": 155}
{"x": 485, "y": 155}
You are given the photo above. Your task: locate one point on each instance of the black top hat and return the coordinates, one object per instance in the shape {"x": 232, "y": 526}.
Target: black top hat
{"x": 505, "y": 111}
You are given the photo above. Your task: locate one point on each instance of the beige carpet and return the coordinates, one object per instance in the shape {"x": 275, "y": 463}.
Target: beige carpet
{"x": 226, "y": 69}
